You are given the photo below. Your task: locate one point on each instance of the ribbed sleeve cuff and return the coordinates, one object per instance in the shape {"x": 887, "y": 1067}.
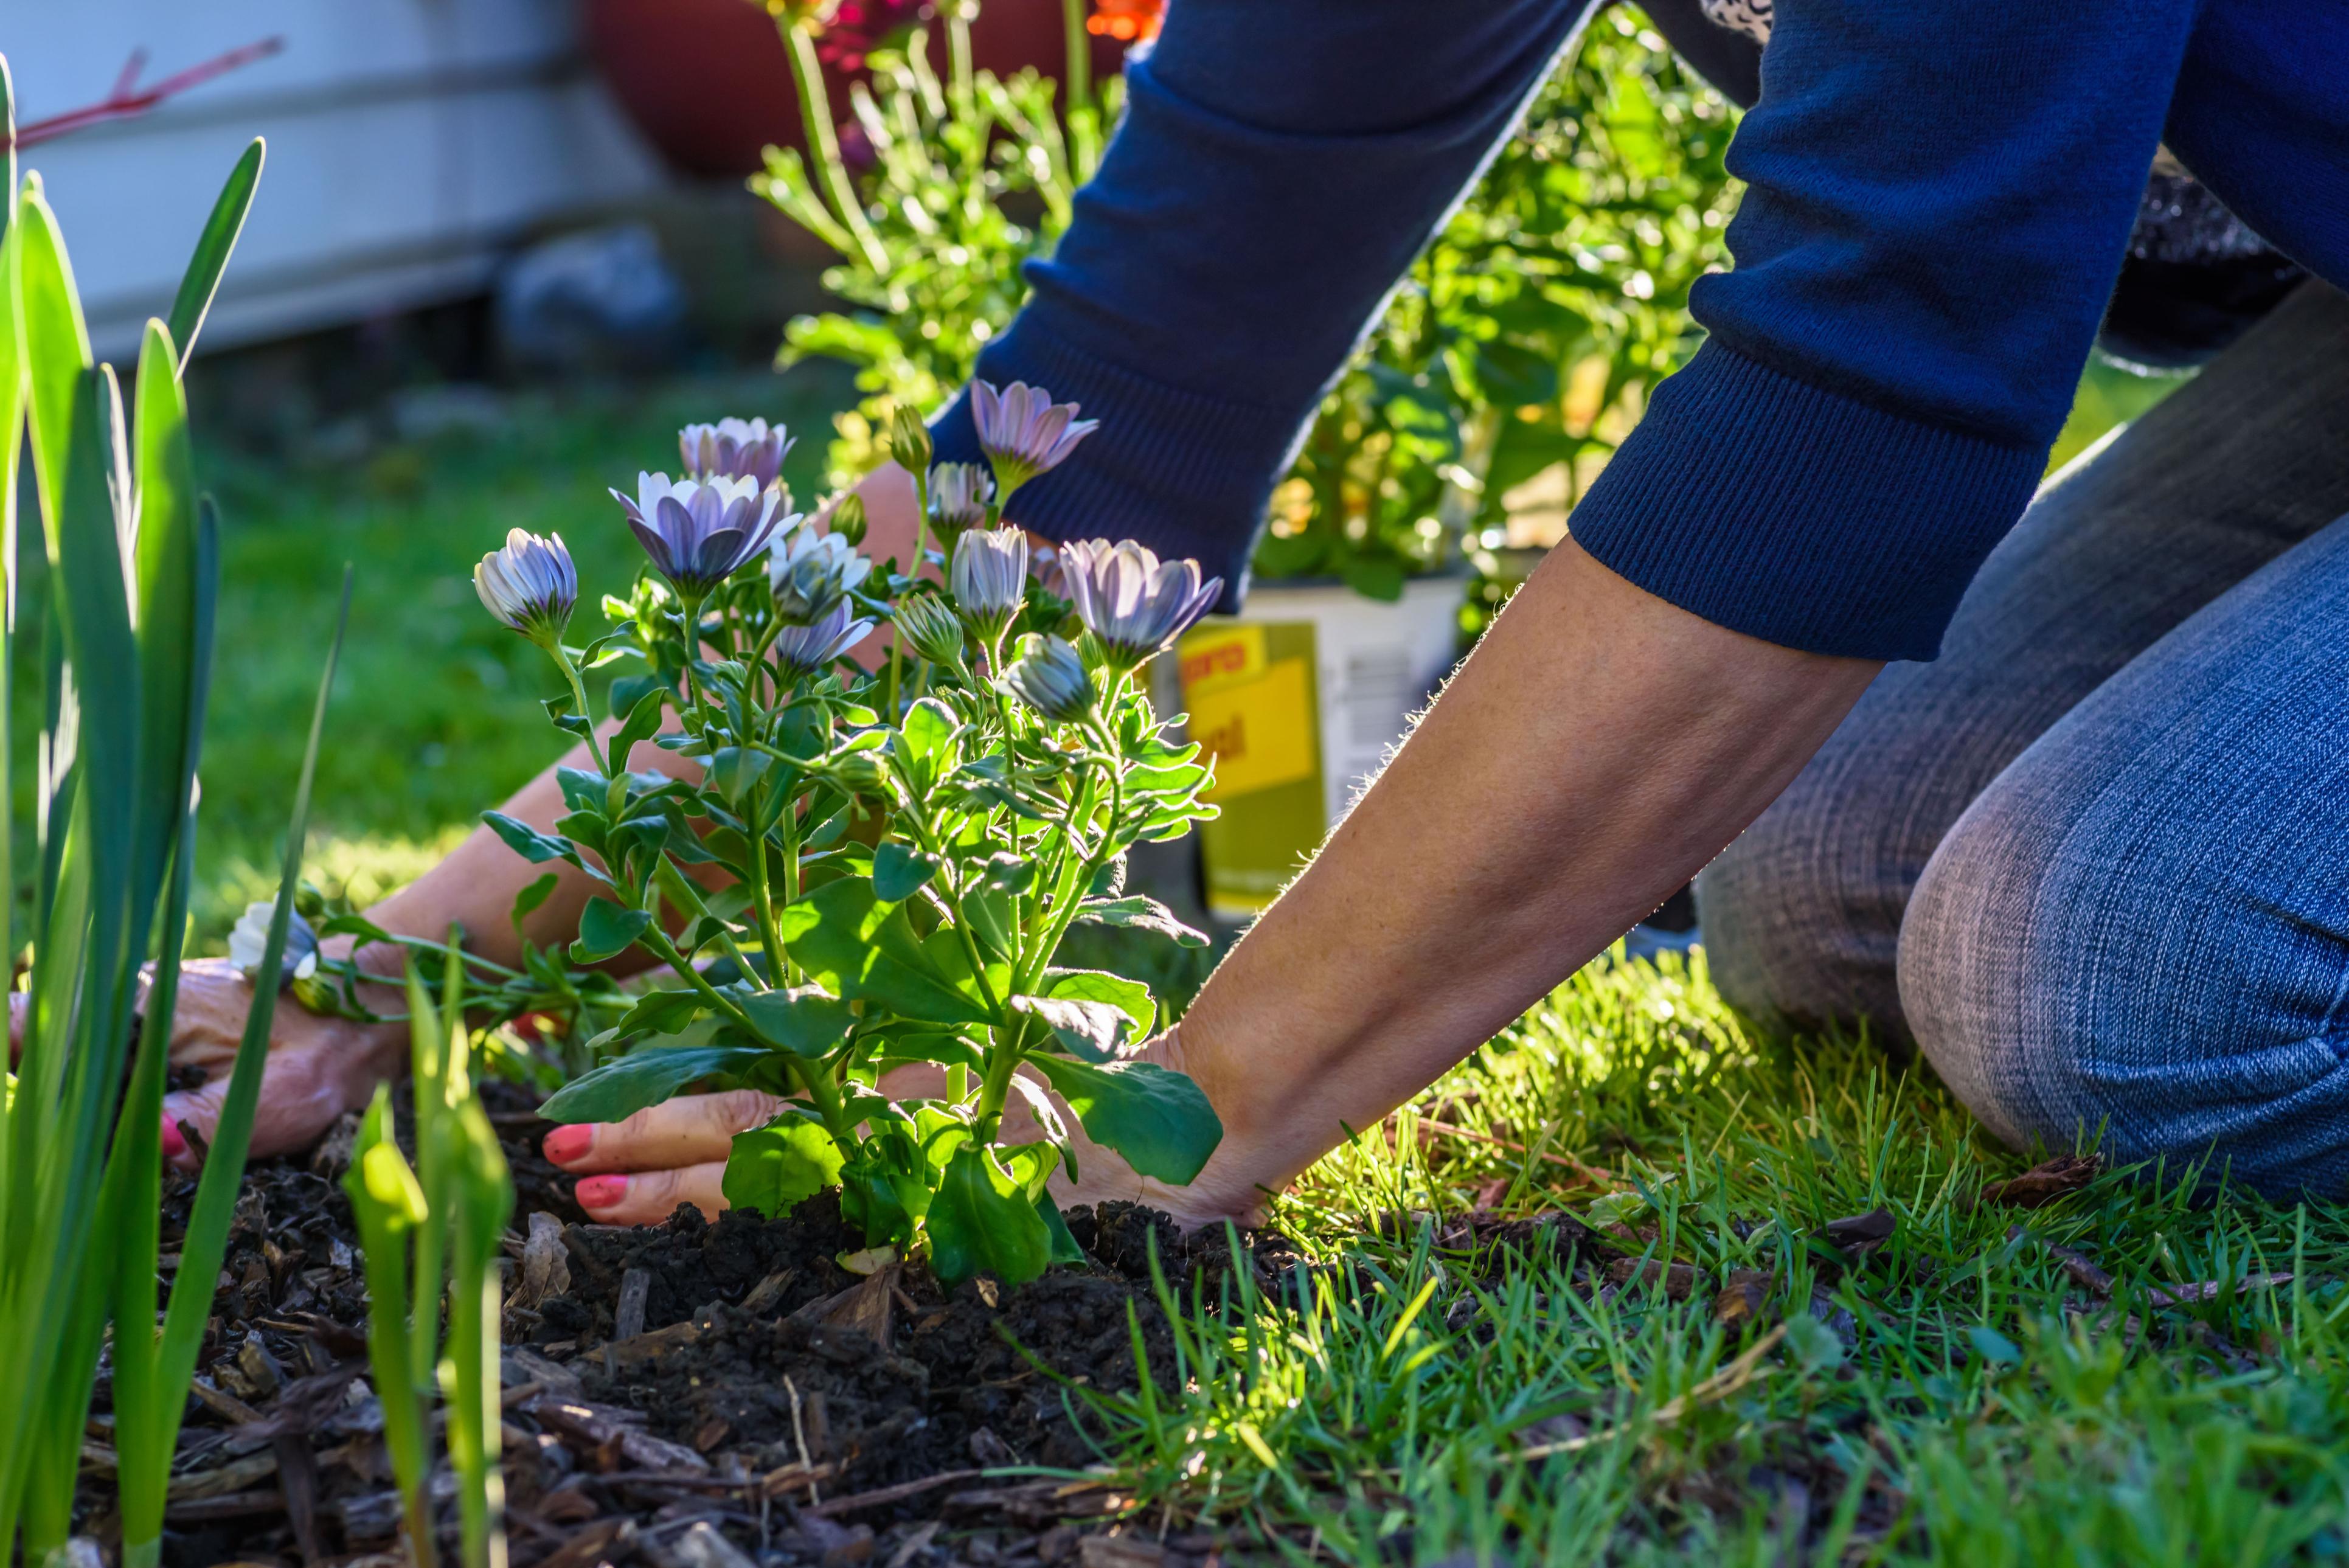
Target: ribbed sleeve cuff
{"x": 1798, "y": 516}
{"x": 1183, "y": 474}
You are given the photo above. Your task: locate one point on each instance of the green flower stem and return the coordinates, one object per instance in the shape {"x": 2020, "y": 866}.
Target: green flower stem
{"x": 823, "y": 143}
{"x": 986, "y": 1116}
{"x": 668, "y": 880}
{"x": 1080, "y": 75}
{"x": 579, "y": 695}
{"x": 1070, "y": 890}
{"x": 921, "y": 553}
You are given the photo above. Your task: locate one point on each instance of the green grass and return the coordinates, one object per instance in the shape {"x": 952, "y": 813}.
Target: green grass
{"x": 1976, "y": 1406}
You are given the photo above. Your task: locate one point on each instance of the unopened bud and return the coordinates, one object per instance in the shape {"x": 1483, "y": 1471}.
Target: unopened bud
{"x": 848, "y": 518}
{"x": 909, "y": 440}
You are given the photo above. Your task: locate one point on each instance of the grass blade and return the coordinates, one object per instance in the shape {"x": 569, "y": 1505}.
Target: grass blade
{"x": 202, "y": 277}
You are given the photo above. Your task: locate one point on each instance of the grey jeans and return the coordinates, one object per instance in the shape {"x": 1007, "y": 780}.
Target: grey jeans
{"x": 2095, "y": 861}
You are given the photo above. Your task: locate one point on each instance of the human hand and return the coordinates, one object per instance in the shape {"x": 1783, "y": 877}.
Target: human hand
{"x": 637, "y": 1172}
{"x": 317, "y": 1068}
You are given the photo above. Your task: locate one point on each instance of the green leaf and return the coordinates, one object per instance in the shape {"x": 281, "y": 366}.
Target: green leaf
{"x": 775, "y": 1168}
{"x": 802, "y": 1020}
{"x": 529, "y": 898}
{"x": 1988, "y": 1343}
{"x": 924, "y": 744}
{"x": 659, "y": 1013}
{"x": 1374, "y": 577}
{"x": 1131, "y": 997}
{"x": 629, "y": 690}
{"x": 1157, "y": 1119}
{"x": 863, "y": 950}
{"x": 1814, "y": 1345}
{"x": 1092, "y": 1030}
{"x": 735, "y": 771}
{"x": 618, "y": 1091}
{"x": 639, "y": 723}
{"x": 527, "y": 842}
{"x": 1138, "y": 913}
{"x": 899, "y": 871}
{"x": 202, "y": 277}
{"x": 606, "y": 930}
{"x": 983, "y": 1219}
{"x": 1064, "y": 1244}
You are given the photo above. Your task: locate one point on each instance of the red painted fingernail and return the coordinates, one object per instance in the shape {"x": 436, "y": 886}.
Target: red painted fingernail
{"x": 601, "y": 1192}
{"x": 565, "y": 1144}
{"x": 175, "y": 1143}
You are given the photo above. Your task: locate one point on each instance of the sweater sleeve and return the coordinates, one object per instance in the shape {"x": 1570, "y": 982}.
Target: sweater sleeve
{"x": 1939, "y": 196}
{"x": 1280, "y": 164}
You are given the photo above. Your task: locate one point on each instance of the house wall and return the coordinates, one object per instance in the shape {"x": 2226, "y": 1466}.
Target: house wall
{"x": 411, "y": 144}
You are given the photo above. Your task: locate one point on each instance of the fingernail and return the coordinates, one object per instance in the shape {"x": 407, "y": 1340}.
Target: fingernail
{"x": 565, "y": 1144}
{"x": 601, "y": 1192}
{"x": 174, "y": 1142}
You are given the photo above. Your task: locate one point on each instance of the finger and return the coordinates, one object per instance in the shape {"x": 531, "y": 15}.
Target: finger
{"x": 197, "y": 1107}
{"x": 649, "y": 1197}
{"x": 688, "y": 1130}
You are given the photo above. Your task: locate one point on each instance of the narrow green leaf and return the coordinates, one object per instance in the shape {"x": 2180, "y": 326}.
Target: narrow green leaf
{"x": 198, "y": 283}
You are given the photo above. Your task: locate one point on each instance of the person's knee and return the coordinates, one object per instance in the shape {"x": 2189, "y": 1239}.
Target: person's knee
{"x": 1795, "y": 924}
{"x": 2070, "y": 994}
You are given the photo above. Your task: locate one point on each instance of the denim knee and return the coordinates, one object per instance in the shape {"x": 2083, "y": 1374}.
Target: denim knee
{"x": 2081, "y": 965}
{"x": 1798, "y": 925}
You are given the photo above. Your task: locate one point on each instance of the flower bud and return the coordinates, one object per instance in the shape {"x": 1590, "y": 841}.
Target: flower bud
{"x": 531, "y": 585}
{"x": 1050, "y": 677}
{"x": 959, "y": 494}
{"x": 847, "y": 518}
{"x": 989, "y": 579}
{"x": 909, "y": 439}
{"x": 930, "y": 627}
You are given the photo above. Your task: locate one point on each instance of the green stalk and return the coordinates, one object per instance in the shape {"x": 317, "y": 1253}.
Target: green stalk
{"x": 823, "y": 143}
{"x": 484, "y": 1201}
{"x": 1080, "y": 58}
{"x": 389, "y": 1206}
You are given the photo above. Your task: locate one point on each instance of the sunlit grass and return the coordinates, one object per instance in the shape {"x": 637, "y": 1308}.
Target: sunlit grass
{"x": 1951, "y": 1396}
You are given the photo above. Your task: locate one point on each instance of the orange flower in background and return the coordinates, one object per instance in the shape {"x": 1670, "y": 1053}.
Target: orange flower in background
{"x": 1127, "y": 21}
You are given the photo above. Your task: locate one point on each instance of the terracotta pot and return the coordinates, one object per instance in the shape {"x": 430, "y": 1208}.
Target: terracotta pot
{"x": 709, "y": 83}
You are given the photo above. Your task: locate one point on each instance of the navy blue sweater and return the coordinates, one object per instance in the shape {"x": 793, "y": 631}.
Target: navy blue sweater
{"x": 1938, "y": 194}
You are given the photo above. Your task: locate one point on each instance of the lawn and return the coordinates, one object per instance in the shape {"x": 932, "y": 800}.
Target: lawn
{"x": 1959, "y": 1388}
{"x": 1951, "y": 1393}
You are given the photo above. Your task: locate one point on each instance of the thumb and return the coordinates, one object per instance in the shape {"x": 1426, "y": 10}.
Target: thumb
{"x": 197, "y": 1108}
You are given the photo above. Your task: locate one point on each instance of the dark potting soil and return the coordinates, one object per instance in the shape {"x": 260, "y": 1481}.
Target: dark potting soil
{"x": 670, "y": 1382}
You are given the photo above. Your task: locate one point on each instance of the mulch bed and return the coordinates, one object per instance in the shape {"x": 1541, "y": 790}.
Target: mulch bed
{"x": 685, "y": 1396}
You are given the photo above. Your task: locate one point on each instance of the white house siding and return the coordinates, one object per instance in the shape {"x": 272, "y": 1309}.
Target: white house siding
{"x": 411, "y": 143}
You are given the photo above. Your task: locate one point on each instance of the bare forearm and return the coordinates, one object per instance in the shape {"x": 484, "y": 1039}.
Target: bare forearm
{"x": 1599, "y": 747}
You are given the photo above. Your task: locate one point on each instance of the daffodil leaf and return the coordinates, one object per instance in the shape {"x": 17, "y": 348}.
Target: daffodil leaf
{"x": 1158, "y": 1120}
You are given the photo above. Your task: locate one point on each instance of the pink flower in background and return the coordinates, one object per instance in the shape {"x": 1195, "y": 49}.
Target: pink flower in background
{"x": 857, "y": 27}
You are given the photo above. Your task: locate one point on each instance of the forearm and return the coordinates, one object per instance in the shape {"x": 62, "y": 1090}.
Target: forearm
{"x": 1596, "y": 749}
{"x": 475, "y": 888}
